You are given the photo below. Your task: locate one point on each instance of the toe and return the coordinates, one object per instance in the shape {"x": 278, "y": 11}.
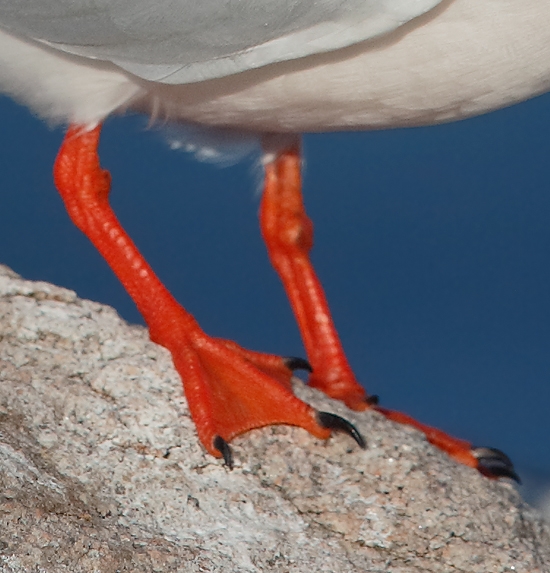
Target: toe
{"x": 223, "y": 447}
{"x": 297, "y": 363}
{"x": 334, "y": 422}
{"x": 494, "y": 463}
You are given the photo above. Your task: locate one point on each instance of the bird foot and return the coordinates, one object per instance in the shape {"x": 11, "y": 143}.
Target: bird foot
{"x": 231, "y": 390}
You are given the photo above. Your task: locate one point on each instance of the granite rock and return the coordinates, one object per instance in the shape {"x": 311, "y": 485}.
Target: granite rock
{"x": 101, "y": 470}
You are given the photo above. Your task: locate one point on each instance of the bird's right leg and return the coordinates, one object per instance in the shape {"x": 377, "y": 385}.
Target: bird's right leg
{"x": 229, "y": 390}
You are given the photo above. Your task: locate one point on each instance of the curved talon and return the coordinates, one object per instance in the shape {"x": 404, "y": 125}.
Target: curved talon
{"x": 223, "y": 447}
{"x": 297, "y": 363}
{"x": 492, "y": 462}
{"x": 334, "y": 422}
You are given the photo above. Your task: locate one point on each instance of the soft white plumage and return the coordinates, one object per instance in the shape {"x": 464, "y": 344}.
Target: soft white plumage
{"x": 406, "y": 62}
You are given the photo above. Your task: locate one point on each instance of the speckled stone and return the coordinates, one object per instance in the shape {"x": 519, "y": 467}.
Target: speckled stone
{"x": 101, "y": 470}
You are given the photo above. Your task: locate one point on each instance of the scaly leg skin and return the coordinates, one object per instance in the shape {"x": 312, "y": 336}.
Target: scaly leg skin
{"x": 230, "y": 390}
{"x": 288, "y": 234}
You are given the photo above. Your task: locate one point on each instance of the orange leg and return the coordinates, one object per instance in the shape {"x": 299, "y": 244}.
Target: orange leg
{"x": 288, "y": 234}
{"x": 229, "y": 390}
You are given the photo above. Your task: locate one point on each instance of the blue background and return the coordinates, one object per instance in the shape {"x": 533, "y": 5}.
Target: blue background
{"x": 433, "y": 245}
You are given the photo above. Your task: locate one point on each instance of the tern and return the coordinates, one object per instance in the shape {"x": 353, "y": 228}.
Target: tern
{"x": 272, "y": 70}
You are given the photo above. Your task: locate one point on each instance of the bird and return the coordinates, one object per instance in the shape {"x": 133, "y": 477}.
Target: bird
{"x": 270, "y": 71}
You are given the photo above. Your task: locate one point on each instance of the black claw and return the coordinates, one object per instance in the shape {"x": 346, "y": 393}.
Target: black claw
{"x": 334, "y": 422}
{"x": 373, "y": 400}
{"x": 494, "y": 463}
{"x": 223, "y": 447}
{"x": 296, "y": 363}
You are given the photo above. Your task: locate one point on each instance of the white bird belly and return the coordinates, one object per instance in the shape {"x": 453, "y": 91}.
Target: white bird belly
{"x": 463, "y": 58}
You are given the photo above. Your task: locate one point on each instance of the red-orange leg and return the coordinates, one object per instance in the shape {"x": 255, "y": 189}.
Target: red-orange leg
{"x": 288, "y": 234}
{"x": 229, "y": 390}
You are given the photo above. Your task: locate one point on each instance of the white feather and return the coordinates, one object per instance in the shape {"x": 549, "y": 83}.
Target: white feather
{"x": 222, "y": 147}
{"x": 462, "y": 58}
{"x": 59, "y": 87}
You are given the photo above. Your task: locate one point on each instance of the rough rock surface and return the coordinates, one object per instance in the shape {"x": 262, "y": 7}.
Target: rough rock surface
{"x": 101, "y": 470}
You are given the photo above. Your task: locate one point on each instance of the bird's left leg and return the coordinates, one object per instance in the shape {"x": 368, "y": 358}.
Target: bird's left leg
{"x": 288, "y": 234}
